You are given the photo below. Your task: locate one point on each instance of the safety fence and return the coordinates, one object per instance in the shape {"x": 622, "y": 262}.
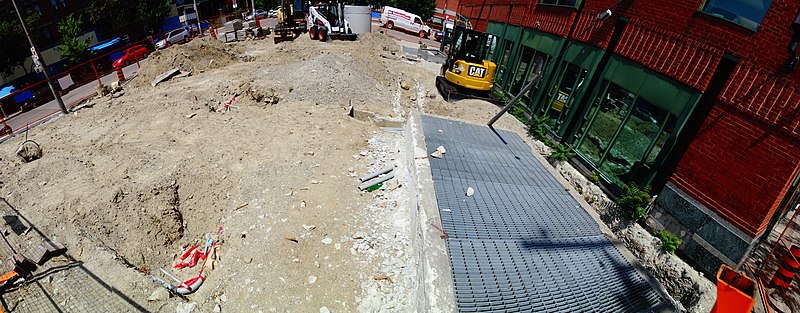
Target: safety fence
{"x": 74, "y": 77}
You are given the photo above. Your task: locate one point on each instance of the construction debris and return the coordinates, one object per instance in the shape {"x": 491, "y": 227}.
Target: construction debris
{"x": 377, "y": 173}
{"x": 29, "y": 151}
{"x": 165, "y": 76}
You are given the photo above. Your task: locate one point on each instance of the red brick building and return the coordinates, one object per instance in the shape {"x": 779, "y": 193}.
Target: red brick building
{"x": 693, "y": 97}
{"x": 445, "y": 9}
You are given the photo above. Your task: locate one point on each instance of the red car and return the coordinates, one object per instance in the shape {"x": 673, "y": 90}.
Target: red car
{"x": 131, "y": 55}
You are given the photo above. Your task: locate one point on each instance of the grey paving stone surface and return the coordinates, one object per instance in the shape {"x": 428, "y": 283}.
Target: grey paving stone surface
{"x": 521, "y": 243}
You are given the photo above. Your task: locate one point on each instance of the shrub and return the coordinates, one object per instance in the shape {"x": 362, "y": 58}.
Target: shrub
{"x": 635, "y": 201}
{"x": 596, "y": 178}
{"x": 538, "y": 128}
{"x": 562, "y": 153}
{"x": 669, "y": 242}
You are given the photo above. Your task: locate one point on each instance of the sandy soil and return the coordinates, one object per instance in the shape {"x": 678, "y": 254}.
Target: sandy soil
{"x": 127, "y": 183}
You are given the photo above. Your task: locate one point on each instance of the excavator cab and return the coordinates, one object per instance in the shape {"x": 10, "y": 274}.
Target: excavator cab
{"x": 467, "y": 71}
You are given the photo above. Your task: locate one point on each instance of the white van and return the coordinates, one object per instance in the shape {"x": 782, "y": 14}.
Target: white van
{"x": 396, "y": 18}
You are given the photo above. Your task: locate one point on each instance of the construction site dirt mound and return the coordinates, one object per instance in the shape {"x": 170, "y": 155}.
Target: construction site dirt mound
{"x": 200, "y": 54}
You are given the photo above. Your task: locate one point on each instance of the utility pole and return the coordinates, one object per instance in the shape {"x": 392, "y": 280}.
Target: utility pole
{"x": 41, "y": 61}
{"x": 197, "y": 15}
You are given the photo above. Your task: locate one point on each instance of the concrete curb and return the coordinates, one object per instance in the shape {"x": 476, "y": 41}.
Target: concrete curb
{"x": 435, "y": 292}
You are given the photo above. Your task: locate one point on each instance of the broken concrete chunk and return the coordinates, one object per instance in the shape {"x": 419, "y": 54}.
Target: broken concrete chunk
{"x": 405, "y": 85}
{"x": 470, "y": 191}
{"x": 441, "y": 149}
{"x": 437, "y": 154}
{"x": 160, "y": 294}
{"x": 309, "y": 227}
{"x": 167, "y": 75}
{"x": 327, "y": 241}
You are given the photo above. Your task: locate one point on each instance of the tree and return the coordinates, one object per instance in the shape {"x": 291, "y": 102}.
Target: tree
{"x": 267, "y": 4}
{"x": 16, "y": 49}
{"x": 422, "y": 8}
{"x": 149, "y": 14}
{"x": 73, "y": 48}
{"x": 152, "y": 14}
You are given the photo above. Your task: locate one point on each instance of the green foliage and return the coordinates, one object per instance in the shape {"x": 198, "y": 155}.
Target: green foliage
{"x": 16, "y": 49}
{"x": 596, "y": 178}
{"x": 148, "y": 14}
{"x": 291, "y": 88}
{"x": 538, "y": 127}
{"x": 668, "y": 241}
{"x": 635, "y": 201}
{"x": 151, "y": 14}
{"x": 562, "y": 153}
{"x": 267, "y": 4}
{"x": 519, "y": 112}
{"x": 73, "y": 48}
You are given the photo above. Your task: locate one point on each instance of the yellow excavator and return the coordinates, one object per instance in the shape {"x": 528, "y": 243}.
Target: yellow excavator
{"x": 291, "y": 20}
{"x": 466, "y": 73}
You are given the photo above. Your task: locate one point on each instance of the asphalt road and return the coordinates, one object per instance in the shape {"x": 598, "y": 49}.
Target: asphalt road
{"x": 20, "y": 121}
{"x": 377, "y": 27}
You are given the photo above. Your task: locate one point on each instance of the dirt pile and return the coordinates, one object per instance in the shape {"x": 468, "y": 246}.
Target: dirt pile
{"x": 328, "y": 79}
{"x": 198, "y": 55}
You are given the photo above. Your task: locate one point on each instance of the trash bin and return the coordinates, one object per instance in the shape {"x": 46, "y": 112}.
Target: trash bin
{"x": 735, "y": 292}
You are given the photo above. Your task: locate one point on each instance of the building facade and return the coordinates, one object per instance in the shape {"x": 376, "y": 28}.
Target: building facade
{"x": 46, "y": 32}
{"x": 697, "y": 99}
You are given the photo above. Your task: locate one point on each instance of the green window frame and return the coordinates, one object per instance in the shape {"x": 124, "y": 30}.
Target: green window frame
{"x": 748, "y": 14}
{"x": 635, "y": 119}
{"x": 562, "y": 3}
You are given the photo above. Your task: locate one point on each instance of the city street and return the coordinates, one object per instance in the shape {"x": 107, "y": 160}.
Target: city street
{"x": 20, "y": 121}
{"x": 376, "y": 28}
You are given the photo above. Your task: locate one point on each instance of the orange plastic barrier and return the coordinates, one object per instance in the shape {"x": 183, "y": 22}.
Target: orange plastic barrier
{"x": 787, "y": 269}
{"x": 735, "y": 292}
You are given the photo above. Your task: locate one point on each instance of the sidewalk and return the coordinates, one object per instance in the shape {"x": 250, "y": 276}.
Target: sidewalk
{"x": 521, "y": 242}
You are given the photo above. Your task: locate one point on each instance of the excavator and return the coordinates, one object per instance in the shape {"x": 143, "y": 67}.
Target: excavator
{"x": 466, "y": 73}
{"x": 291, "y": 20}
{"x": 326, "y": 21}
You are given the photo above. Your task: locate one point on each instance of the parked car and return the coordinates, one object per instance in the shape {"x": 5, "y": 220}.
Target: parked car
{"x": 174, "y": 36}
{"x": 396, "y": 18}
{"x": 260, "y": 13}
{"x": 273, "y": 13}
{"x": 131, "y": 55}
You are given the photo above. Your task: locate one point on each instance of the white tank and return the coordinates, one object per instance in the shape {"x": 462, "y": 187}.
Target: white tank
{"x": 360, "y": 18}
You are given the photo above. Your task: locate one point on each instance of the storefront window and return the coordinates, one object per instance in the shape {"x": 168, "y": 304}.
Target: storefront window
{"x": 501, "y": 67}
{"x": 626, "y": 132}
{"x": 608, "y": 116}
{"x": 523, "y": 76}
{"x": 562, "y": 95}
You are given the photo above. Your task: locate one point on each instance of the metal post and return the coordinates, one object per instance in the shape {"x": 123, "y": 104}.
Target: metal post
{"x": 538, "y": 67}
{"x": 41, "y": 60}
{"x": 197, "y": 17}
{"x": 538, "y": 71}
{"x": 96, "y": 75}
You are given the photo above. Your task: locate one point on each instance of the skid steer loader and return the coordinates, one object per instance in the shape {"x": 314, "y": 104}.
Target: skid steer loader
{"x": 326, "y": 21}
